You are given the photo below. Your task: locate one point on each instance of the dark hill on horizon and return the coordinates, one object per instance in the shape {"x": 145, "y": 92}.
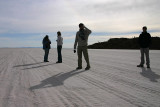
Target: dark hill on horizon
{"x": 124, "y": 43}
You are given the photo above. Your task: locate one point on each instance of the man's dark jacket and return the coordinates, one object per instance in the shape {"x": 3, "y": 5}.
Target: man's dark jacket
{"x": 144, "y": 40}
{"x": 46, "y": 44}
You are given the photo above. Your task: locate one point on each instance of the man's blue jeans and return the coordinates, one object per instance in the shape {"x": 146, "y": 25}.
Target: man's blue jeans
{"x": 59, "y": 49}
{"x": 145, "y": 51}
{"x": 46, "y": 54}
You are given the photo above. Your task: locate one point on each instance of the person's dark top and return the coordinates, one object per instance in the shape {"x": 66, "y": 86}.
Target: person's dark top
{"x": 144, "y": 40}
{"x": 46, "y": 43}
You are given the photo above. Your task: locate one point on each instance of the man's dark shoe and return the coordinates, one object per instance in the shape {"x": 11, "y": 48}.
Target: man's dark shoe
{"x": 58, "y": 62}
{"x": 148, "y": 66}
{"x": 87, "y": 68}
{"x": 79, "y": 68}
{"x": 46, "y": 61}
{"x": 139, "y": 65}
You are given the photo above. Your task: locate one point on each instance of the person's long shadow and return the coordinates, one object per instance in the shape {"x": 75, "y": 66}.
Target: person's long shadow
{"x": 56, "y": 80}
{"x": 39, "y": 66}
{"x": 148, "y": 73}
{"x": 28, "y": 64}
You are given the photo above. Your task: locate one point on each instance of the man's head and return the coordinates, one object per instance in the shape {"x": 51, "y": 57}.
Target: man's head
{"x": 144, "y": 29}
{"x": 59, "y": 33}
{"x": 81, "y": 26}
{"x": 47, "y": 36}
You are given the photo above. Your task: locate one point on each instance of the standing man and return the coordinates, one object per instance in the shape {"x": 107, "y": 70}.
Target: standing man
{"x": 144, "y": 41}
{"x": 46, "y": 47}
{"x": 82, "y": 40}
{"x": 59, "y": 46}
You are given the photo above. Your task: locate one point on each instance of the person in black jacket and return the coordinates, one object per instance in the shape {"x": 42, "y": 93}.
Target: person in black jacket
{"x": 46, "y": 46}
{"x": 144, "y": 41}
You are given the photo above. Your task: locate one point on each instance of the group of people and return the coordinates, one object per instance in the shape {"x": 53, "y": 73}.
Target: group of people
{"x": 47, "y": 46}
{"x": 81, "y": 39}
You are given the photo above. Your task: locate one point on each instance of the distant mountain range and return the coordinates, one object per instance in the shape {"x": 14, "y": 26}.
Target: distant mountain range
{"x": 124, "y": 43}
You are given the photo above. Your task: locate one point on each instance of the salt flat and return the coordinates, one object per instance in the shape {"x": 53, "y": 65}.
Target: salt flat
{"x": 113, "y": 80}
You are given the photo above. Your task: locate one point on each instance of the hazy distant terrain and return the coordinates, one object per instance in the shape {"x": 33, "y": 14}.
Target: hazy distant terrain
{"x": 113, "y": 81}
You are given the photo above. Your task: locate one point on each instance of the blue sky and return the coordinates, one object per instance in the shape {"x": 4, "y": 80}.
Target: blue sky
{"x": 24, "y": 23}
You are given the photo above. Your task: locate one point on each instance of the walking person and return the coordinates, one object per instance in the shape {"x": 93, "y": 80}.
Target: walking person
{"x": 144, "y": 41}
{"x": 59, "y": 46}
{"x": 82, "y": 40}
{"x": 46, "y": 47}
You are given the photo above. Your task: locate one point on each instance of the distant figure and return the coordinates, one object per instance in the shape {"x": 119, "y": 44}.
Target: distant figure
{"x": 82, "y": 40}
{"x": 46, "y": 46}
{"x": 144, "y": 42}
{"x": 59, "y": 46}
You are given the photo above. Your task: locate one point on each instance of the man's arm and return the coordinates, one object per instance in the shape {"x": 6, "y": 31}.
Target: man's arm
{"x": 88, "y": 30}
{"x": 139, "y": 39}
{"x": 43, "y": 41}
{"x": 58, "y": 39}
{"x": 48, "y": 43}
{"x": 76, "y": 41}
{"x": 150, "y": 39}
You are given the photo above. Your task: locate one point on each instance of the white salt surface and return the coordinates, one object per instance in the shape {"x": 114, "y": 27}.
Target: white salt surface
{"x": 113, "y": 80}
